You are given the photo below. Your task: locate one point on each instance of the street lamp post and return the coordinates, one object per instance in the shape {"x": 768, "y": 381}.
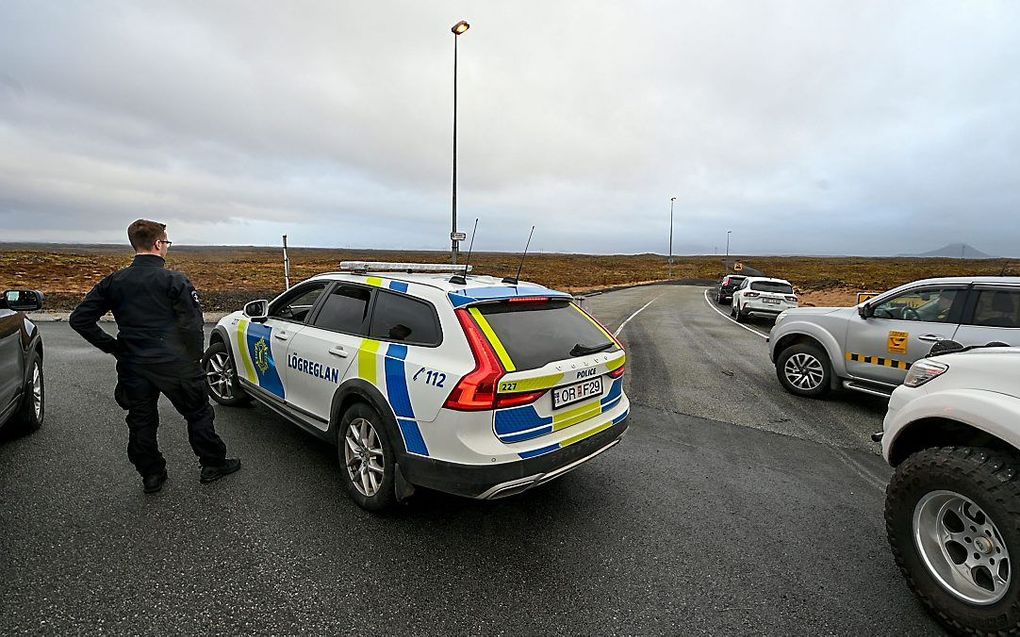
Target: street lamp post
{"x": 671, "y": 200}
{"x": 728, "y": 233}
{"x": 457, "y": 29}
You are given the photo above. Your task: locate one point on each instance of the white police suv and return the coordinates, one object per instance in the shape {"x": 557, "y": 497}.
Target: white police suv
{"x": 465, "y": 384}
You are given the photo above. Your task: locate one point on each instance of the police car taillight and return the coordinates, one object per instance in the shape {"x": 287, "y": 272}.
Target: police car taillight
{"x": 477, "y": 390}
{"x": 616, "y": 373}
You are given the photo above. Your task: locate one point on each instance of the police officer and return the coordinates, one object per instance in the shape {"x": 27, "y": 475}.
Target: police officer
{"x": 158, "y": 350}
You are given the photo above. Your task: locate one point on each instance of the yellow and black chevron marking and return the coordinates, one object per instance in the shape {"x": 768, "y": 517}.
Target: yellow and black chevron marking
{"x": 877, "y": 360}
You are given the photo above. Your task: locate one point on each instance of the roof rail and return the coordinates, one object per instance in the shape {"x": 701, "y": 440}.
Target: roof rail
{"x": 384, "y": 266}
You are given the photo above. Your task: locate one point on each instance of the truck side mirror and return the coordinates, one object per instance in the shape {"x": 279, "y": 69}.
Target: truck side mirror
{"x": 864, "y": 310}
{"x": 23, "y": 300}
{"x": 257, "y": 311}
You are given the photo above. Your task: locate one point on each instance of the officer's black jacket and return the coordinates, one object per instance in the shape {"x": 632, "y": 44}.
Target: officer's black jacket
{"x": 158, "y": 315}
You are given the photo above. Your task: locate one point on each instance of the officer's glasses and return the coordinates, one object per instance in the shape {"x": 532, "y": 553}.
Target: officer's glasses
{"x": 165, "y": 242}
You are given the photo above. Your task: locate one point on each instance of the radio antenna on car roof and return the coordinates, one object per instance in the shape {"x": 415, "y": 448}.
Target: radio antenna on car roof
{"x": 517, "y": 279}
{"x": 461, "y": 278}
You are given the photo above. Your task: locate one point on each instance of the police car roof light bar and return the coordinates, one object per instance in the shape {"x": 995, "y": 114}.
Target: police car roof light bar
{"x": 384, "y": 266}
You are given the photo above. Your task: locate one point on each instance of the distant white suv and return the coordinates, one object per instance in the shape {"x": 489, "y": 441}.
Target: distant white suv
{"x": 761, "y": 296}
{"x": 470, "y": 385}
{"x": 953, "y": 505}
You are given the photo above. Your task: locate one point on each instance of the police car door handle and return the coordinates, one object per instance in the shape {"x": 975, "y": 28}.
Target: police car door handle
{"x": 338, "y": 351}
{"x": 280, "y": 336}
{"x": 929, "y": 338}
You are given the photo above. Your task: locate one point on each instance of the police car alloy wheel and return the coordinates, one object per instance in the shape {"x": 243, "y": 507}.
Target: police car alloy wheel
{"x": 367, "y": 457}
{"x": 221, "y": 376}
{"x": 804, "y": 370}
{"x": 953, "y": 520}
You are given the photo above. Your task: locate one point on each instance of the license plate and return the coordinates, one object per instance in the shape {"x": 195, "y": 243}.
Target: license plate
{"x": 772, "y": 301}
{"x": 563, "y": 396}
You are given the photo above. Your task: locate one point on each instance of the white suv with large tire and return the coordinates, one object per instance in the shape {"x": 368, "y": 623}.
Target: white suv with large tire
{"x": 953, "y": 505}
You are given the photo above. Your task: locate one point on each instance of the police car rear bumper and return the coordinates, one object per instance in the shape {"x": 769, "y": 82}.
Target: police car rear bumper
{"x": 502, "y": 480}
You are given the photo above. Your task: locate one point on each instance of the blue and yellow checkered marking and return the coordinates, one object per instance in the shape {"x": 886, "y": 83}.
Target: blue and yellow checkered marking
{"x": 524, "y": 423}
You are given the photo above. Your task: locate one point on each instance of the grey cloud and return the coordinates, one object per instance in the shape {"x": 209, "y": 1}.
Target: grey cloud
{"x": 860, "y": 127}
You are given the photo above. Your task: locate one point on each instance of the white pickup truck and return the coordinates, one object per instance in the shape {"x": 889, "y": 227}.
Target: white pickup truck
{"x": 953, "y": 505}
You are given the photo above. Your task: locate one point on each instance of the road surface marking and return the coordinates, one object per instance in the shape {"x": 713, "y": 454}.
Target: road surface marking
{"x": 641, "y": 309}
{"x": 723, "y": 314}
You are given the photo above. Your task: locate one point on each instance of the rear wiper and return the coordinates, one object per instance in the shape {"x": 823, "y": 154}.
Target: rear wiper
{"x": 584, "y": 350}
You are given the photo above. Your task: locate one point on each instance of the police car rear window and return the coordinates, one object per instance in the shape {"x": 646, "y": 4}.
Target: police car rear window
{"x": 538, "y": 333}
{"x": 400, "y": 318}
{"x": 771, "y": 286}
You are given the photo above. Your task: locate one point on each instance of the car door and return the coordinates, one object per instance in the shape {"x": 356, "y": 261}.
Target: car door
{"x": 900, "y": 330}
{"x": 321, "y": 353}
{"x": 992, "y": 315}
{"x": 12, "y": 365}
{"x": 263, "y": 346}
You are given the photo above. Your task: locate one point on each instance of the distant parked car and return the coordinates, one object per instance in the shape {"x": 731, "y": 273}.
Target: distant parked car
{"x": 761, "y": 296}
{"x": 22, "y": 394}
{"x": 952, "y": 509}
{"x": 727, "y": 287}
{"x": 870, "y": 348}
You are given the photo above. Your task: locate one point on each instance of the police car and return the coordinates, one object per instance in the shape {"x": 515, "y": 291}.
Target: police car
{"x": 470, "y": 385}
{"x": 871, "y": 347}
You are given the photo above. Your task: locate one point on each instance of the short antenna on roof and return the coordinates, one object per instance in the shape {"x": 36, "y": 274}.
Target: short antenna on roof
{"x": 517, "y": 279}
{"x": 461, "y": 277}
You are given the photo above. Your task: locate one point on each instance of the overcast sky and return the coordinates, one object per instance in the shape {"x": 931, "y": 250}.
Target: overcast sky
{"x": 805, "y": 127}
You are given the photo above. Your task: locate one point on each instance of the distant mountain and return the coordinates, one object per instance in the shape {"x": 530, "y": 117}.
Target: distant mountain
{"x": 956, "y": 251}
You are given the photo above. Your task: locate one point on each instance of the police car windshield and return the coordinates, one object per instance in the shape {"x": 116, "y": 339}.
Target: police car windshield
{"x": 538, "y": 333}
{"x": 772, "y": 286}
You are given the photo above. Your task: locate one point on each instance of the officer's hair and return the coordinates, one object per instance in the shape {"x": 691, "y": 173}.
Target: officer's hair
{"x": 143, "y": 234}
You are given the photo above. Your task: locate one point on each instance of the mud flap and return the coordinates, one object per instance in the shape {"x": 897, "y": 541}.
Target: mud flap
{"x": 401, "y": 487}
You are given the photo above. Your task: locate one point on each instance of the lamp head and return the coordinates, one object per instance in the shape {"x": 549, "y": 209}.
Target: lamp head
{"x": 460, "y": 27}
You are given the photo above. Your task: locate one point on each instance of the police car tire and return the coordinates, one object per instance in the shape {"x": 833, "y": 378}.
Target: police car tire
{"x": 818, "y": 353}
{"x": 26, "y": 419}
{"x": 991, "y": 480}
{"x": 241, "y": 398}
{"x": 385, "y": 497}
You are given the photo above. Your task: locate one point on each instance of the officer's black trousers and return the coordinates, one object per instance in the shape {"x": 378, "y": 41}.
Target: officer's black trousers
{"x": 138, "y": 389}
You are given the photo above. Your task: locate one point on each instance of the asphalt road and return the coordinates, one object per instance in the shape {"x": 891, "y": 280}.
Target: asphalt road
{"x": 729, "y": 508}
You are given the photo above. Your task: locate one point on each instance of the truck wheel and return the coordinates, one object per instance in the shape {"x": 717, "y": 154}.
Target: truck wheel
{"x": 952, "y": 515}
{"x": 366, "y": 455}
{"x": 32, "y": 410}
{"x": 221, "y": 376}
{"x": 804, "y": 370}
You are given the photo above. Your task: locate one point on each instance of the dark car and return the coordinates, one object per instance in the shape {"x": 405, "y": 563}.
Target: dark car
{"x": 728, "y": 286}
{"x": 22, "y": 394}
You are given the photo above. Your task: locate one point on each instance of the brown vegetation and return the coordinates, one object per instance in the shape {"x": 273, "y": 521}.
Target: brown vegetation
{"x": 227, "y": 276}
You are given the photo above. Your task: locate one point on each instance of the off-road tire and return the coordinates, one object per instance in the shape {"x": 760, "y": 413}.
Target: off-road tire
{"x": 25, "y": 419}
{"x": 240, "y": 397}
{"x": 813, "y": 350}
{"x": 385, "y": 497}
{"x": 990, "y": 479}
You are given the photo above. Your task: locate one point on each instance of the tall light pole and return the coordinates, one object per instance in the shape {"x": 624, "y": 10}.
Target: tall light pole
{"x": 671, "y": 200}
{"x": 728, "y": 233}
{"x": 457, "y": 29}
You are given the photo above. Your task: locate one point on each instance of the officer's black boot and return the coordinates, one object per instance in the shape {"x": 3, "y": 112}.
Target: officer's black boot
{"x": 153, "y": 483}
{"x": 211, "y": 474}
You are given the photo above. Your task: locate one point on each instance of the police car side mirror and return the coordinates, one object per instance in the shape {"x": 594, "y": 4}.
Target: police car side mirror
{"x": 23, "y": 300}
{"x": 944, "y": 346}
{"x": 257, "y": 311}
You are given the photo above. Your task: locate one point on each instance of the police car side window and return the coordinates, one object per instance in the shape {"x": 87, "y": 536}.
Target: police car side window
{"x": 296, "y": 305}
{"x": 400, "y": 318}
{"x": 931, "y": 305}
{"x": 997, "y": 308}
{"x": 345, "y": 310}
